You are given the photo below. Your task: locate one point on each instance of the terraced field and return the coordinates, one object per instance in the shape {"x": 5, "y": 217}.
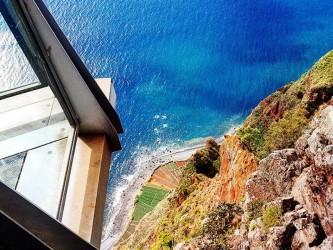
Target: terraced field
{"x": 165, "y": 179}
{"x": 147, "y": 200}
{"x": 167, "y": 176}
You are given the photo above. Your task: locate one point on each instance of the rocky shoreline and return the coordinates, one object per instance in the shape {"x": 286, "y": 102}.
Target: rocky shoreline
{"x": 122, "y": 219}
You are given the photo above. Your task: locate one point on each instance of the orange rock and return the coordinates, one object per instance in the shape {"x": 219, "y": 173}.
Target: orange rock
{"x": 236, "y": 165}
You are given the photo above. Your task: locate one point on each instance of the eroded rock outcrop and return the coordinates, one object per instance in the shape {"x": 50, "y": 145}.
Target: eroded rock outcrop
{"x": 236, "y": 165}
{"x": 295, "y": 187}
{"x": 276, "y": 175}
{"x": 314, "y": 188}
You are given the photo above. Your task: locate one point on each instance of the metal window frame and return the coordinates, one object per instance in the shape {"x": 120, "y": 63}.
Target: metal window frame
{"x": 83, "y": 101}
{"x": 20, "y": 90}
{"x": 30, "y": 224}
{"x": 92, "y": 109}
{"x": 86, "y": 108}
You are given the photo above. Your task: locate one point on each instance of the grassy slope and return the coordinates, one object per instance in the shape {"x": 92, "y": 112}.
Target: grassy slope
{"x": 181, "y": 223}
{"x": 282, "y": 117}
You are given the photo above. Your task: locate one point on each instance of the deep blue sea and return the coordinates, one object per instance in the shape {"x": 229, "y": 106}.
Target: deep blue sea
{"x": 187, "y": 69}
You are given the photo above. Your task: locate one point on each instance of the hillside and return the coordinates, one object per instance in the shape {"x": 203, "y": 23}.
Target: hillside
{"x": 268, "y": 187}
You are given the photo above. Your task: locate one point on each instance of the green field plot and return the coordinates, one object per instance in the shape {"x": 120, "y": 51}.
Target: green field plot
{"x": 171, "y": 166}
{"x": 147, "y": 200}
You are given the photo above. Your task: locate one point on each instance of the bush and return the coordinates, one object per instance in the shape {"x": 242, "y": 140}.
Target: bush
{"x": 286, "y": 131}
{"x": 221, "y": 222}
{"x": 271, "y": 217}
{"x": 279, "y": 135}
{"x": 255, "y": 209}
{"x": 203, "y": 162}
{"x": 253, "y": 140}
{"x": 217, "y": 164}
{"x": 164, "y": 241}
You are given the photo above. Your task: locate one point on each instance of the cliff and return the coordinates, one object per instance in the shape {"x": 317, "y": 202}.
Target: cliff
{"x": 279, "y": 120}
{"x": 294, "y": 190}
{"x": 273, "y": 189}
{"x": 236, "y": 165}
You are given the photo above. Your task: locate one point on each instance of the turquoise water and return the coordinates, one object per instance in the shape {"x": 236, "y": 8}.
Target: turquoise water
{"x": 187, "y": 69}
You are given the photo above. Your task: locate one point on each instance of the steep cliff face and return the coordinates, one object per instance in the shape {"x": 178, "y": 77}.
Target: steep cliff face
{"x": 296, "y": 194}
{"x": 309, "y": 92}
{"x": 283, "y": 201}
{"x": 236, "y": 165}
{"x": 171, "y": 225}
{"x": 314, "y": 188}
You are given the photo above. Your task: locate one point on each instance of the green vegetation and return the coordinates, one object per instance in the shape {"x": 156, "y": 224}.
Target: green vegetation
{"x": 259, "y": 118}
{"x": 205, "y": 162}
{"x": 322, "y": 71}
{"x": 278, "y": 121}
{"x": 147, "y": 200}
{"x": 279, "y": 135}
{"x": 183, "y": 222}
{"x": 286, "y": 131}
{"x": 164, "y": 242}
{"x": 172, "y": 166}
{"x": 253, "y": 140}
{"x": 217, "y": 164}
{"x": 271, "y": 217}
{"x": 255, "y": 209}
{"x": 220, "y": 223}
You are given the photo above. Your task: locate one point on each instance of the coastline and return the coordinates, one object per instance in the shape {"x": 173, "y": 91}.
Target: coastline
{"x": 123, "y": 217}
{"x": 116, "y": 229}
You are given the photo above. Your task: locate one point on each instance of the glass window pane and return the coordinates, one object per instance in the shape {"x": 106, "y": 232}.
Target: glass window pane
{"x": 10, "y": 169}
{"x": 15, "y": 71}
{"x": 36, "y": 139}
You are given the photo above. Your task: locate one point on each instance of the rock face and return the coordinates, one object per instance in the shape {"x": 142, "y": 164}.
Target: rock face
{"x": 305, "y": 175}
{"x": 276, "y": 175}
{"x": 236, "y": 166}
{"x": 314, "y": 188}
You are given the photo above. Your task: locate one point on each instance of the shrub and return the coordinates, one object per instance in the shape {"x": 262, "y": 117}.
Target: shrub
{"x": 203, "y": 160}
{"x": 164, "y": 241}
{"x": 253, "y": 140}
{"x": 217, "y": 164}
{"x": 255, "y": 209}
{"x": 221, "y": 222}
{"x": 271, "y": 217}
{"x": 253, "y": 225}
{"x": 213, "y": 148}
{"x": 286, "y": 131}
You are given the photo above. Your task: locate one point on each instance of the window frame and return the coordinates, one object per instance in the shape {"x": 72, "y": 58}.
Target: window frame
{"x": 53, "y": 83}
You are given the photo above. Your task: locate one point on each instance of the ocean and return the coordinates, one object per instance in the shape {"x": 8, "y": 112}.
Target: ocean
{"x": 185, "y": 70}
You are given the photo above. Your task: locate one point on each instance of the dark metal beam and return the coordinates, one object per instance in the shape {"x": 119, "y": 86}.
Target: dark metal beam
{"x": 94, "y": 112}
{"x": 44, "y": 230}
{"x": 90, "y": 81}
{"x": 14, "y": 237}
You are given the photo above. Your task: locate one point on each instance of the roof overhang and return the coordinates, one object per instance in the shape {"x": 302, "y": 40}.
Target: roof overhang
{"x": 91, "y": 109}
